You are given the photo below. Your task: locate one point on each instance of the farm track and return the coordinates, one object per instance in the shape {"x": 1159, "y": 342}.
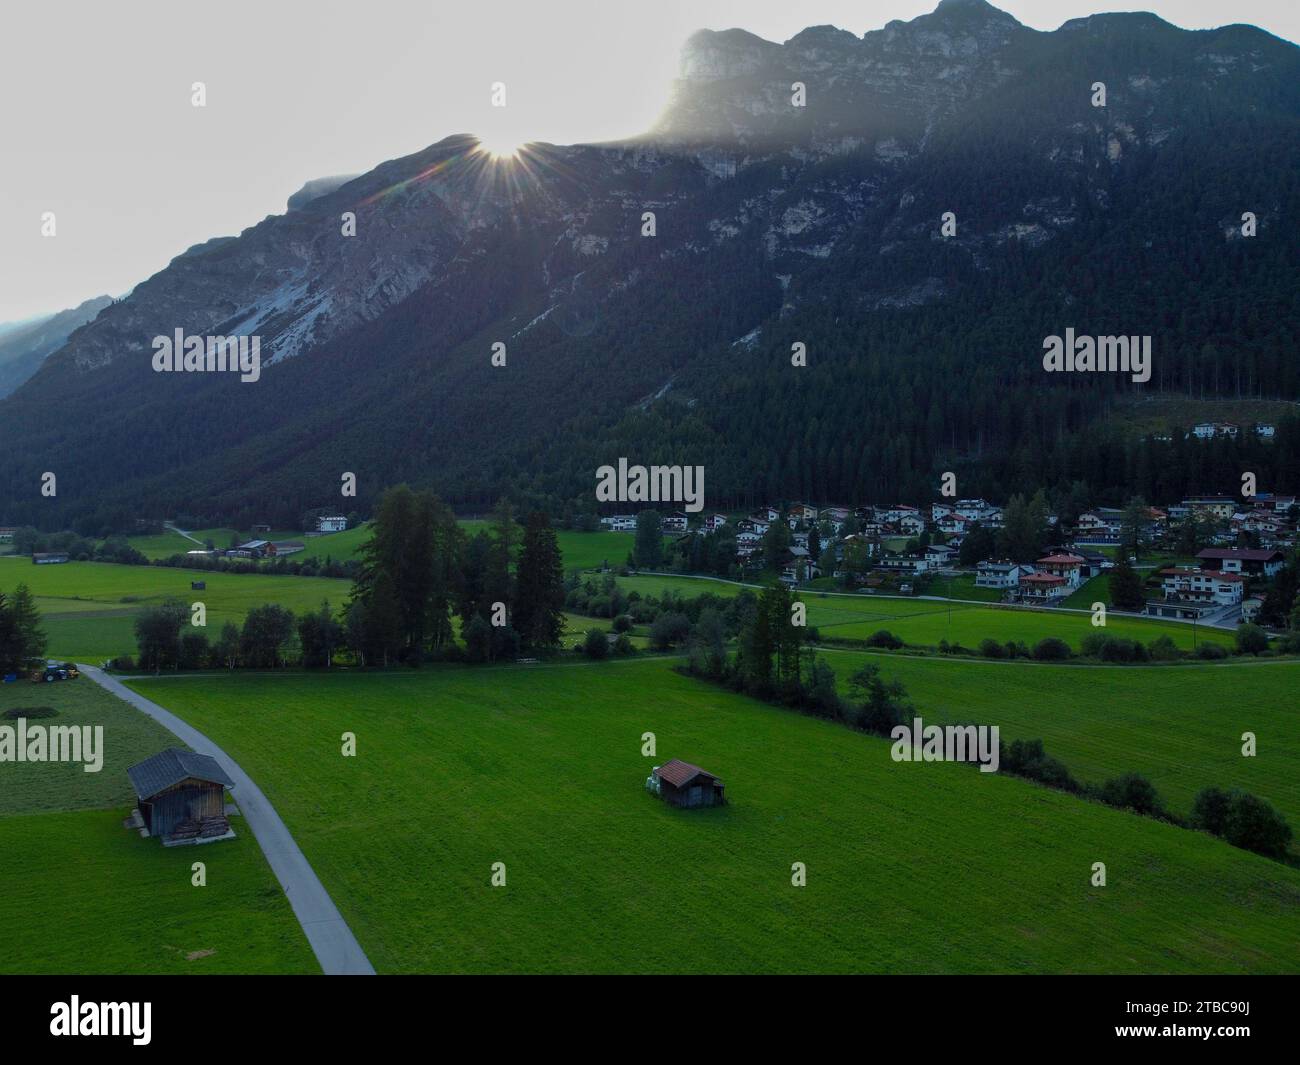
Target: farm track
{"x": 332, "y": 941}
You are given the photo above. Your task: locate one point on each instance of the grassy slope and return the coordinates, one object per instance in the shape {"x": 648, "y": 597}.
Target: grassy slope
{"x": 911, "y": 867}
{"x": 926, "y": 621}
{"x": 1180, "y": 726}
{"x": 85, "y": 895}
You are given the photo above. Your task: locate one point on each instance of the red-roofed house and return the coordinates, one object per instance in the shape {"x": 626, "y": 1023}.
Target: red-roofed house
{"x": 1042, "y": 587}
{"x": 1259, "y": 562}
{"x": 1064, "y": 565}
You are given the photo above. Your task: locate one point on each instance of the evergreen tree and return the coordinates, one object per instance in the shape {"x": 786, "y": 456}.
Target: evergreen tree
{"x": 757, "y": 645}
{"x": 648, "y": 549}
{"x": 1126, "y": 588}
{"x": 539, "y": 586}
{"x": 1133, "y": 523}
{"x": 10, "y": 647}
{"x": 27, "y": 623}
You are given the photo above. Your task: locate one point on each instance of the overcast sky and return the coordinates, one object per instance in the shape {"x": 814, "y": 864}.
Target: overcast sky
{"x": 96, "y": 122}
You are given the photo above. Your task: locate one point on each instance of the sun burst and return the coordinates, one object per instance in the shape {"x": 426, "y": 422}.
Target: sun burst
{"x": 502, "y": 147}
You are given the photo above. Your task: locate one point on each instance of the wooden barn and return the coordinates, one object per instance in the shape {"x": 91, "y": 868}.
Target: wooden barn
{"x": 182, "y": 796}
{"x": 682, "y": 784}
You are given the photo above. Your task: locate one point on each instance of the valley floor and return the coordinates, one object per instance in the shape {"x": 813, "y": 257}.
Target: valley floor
{"x": 910, "y": 867}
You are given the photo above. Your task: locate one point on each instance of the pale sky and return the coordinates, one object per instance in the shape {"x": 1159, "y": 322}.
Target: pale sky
{"x": 96, "y": 122}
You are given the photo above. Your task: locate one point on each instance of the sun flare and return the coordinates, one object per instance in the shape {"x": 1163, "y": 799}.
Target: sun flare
{"x": 500, "y": 146}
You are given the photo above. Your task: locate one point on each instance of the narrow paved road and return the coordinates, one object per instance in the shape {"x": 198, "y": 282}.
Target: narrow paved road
{"x": 336, "y": 947}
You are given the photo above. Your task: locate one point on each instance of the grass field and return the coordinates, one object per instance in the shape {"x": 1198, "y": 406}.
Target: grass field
{"x": 911, "y": 867}
{"x": 338, "y": 546}
{"x": 1181, "y": 727}
{"x": 82, "y": 894}
{"x": 927, "y": 621}
{"x": 89, "y": 608}
{"x": 581, "y": 550}
{"x": 129, "y": 736}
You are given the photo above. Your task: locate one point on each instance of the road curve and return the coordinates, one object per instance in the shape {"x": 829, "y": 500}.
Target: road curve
{"x": 331, "y": 939}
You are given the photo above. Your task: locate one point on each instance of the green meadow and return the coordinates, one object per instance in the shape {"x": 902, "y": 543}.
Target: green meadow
{"x": 338, "y": 546}
{"x": 911, "y": 867}
{"x": 581, "y": 550}
{"x": 1180, "y": 726}
{"x": 83, "y": 894}
{"x": 925, "y": 622}
{"x": 129, "y": 736}
{"x": 89, "y": 608}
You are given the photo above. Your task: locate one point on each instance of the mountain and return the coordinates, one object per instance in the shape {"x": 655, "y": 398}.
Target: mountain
{"x": 24, "y": 345}
{"x": 775, "y": 225}
{"x": 316, "y": 188}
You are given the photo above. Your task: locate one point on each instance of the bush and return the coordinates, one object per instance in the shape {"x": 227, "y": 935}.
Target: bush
{"x": 1211, "y": 651}
{"x": 993, "y": 649}
{"x": 1251, "y": 639}
{"x": 1132, "y": 791}
{"x": 1109, "y": 648}
{"x": 623, "y": 645}
{"x": 1164, "y": 650}
{"x": 1210, "y": 810}
{"x": 1017, "y": 649}
{"x": 1255, "y": 826}
{"x": 124, "y": 663}
{"x": 1051, "y": 650}
{"x": 622, "y": 623}
{"x": 1027, "y": 758}
{"x": 668, "y": 630}
{"x": 884, "y": 638}
{"x": 595, "y": 645}
{"x": 1243, "y": 820}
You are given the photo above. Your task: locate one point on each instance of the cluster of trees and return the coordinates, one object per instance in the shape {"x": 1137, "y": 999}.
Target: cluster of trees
{"x": 271, "y": 637}
{"x": 418, "y": 573}
{"x": 419, "y": 569}
{"x": 22, "y": 640}
{"x": 307, "y": 567}
{"x": 28, "y": 539}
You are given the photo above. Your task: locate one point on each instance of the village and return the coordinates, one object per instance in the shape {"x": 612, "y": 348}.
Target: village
{"x": 1204, "y": 559}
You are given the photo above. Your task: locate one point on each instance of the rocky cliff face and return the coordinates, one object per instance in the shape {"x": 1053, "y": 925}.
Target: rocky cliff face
{"x": 734, "y": 86}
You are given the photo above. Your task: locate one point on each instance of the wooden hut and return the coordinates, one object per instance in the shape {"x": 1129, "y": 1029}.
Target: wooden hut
{"x": 682, "y": 784}
{"x": 182, "y": 795}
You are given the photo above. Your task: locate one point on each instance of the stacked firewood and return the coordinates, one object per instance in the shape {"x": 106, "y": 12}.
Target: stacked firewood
{"x": 187, "y": 829}
{"x": 214, "y": 826}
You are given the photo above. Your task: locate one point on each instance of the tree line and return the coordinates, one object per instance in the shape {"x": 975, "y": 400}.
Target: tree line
{"x": 418, "y": 575}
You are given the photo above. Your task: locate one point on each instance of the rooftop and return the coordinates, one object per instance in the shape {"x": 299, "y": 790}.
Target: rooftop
{"x": 170, "y": 767}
